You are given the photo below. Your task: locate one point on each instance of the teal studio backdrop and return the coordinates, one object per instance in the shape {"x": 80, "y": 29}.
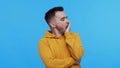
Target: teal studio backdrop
{"x": 22, "y": 24}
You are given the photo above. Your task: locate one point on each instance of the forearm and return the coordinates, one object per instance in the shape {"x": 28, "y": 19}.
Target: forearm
{"x": 59, "y": 63}
{"x": 74, "y": 45}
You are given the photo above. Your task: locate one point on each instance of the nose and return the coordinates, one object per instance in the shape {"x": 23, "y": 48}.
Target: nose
{"x": 67, "y": 21}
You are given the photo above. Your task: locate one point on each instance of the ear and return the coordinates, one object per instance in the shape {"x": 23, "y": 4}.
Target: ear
{"x": 52, "y": 25}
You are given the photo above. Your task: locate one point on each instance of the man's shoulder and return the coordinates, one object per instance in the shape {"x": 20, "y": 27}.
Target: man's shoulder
{"x": 74, "y": 33}
{"x": 43, "y": 40}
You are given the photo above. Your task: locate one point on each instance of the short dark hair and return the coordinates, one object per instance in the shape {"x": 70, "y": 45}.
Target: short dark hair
{"x": 51, "y": 13}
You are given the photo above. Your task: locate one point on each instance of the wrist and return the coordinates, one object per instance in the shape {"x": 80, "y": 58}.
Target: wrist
{"x": 68, "y": 35}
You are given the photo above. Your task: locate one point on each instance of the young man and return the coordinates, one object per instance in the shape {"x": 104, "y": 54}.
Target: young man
{"x": 60, "y": 48}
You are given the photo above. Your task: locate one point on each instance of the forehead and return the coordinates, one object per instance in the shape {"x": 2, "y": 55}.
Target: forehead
{"x": 60, "y": 14}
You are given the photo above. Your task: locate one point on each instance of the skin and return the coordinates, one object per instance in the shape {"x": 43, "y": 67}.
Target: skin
{"x": 60, "y": 24}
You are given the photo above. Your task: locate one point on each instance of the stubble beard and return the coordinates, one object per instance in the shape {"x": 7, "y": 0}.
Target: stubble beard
{"x": 61, "y": 30}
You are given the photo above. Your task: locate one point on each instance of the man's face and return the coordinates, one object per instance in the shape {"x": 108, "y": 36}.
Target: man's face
{"x": 61, "y": 21}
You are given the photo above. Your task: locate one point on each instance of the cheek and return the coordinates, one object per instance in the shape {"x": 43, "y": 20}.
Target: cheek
{"x": 62, "y": 26}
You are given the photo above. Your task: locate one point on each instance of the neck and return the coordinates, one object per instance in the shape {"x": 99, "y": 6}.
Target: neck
{"x": 56, "y": 32}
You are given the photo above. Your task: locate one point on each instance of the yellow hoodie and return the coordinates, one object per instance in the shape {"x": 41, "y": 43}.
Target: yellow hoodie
{"x": 61, "y": 52}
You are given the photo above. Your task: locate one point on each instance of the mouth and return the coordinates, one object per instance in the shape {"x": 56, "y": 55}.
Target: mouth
{"x": 66, "y": 26}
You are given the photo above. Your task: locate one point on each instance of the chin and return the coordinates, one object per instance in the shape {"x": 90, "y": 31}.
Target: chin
{"x": 62, "y": 32}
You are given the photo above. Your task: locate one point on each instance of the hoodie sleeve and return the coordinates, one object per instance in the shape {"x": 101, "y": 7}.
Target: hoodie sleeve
{"x": 49, "y": 60}
{"x": 74, "y": 45}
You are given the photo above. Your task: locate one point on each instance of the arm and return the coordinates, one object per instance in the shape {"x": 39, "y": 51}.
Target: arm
{"x": 50, "y": 60}
{"x": 74, "y": 45}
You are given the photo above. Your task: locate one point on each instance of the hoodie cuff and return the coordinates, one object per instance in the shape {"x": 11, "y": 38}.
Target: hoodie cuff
{"x": 68, "y": 35}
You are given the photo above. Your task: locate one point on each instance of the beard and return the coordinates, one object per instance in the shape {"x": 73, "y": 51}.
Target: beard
{"x": 61, "y": 29}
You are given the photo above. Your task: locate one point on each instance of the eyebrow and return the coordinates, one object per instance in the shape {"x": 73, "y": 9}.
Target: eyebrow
{"x": 64, "y": 17}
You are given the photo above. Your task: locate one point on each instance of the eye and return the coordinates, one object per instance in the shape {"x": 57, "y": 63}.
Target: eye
{"x": 62, "y": 19}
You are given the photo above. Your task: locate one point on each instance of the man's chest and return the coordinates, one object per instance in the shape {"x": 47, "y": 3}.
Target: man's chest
{"x": 59, "y": 48}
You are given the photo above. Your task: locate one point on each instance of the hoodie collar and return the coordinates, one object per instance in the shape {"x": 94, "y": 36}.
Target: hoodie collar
{"x": 49, "y": 34}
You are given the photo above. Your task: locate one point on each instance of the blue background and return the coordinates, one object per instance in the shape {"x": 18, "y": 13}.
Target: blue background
{"x": 22, "y": 24}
